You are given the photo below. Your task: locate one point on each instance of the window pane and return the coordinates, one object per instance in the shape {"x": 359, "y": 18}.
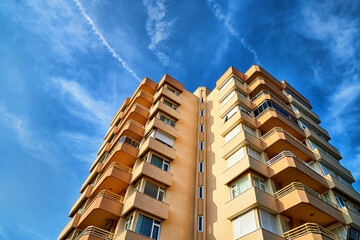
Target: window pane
{"x": 144, "y": 225}
{"x": 156, "y": 231}
{"x": 151, "y": 189}
{"x": 157, "y": 161}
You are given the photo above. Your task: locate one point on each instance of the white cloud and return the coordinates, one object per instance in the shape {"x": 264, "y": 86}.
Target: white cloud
{"x": 216, "y": 9}
{"x": 82, "y": 104}
{"x": 158, "y": 27}
{"x": 105, "y": 42}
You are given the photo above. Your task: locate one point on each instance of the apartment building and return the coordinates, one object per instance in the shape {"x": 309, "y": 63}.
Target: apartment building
{"x": 247, "y": 160}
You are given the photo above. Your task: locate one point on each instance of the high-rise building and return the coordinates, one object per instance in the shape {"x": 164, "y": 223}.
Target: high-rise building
{"x": 247, "y": 160}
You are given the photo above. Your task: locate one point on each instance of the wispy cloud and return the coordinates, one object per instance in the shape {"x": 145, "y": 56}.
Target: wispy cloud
{"x": 218, "y": 12}
{"x": 105, "y": 42}
{"x": 158, "y": 27}
{"x": 80, "y": 103}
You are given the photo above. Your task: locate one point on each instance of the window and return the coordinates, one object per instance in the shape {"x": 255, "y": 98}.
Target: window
{"x": 244, "y": 224}
{"x": 153, "y": 190}
{"x": 354, "y": 234}
{"x": 254, "y": 154}
{"x": 201, "y": 145}
{"x": 225, "y": 84}
{"x": 173, "y": 90}
{"x": 201, "y": 166}
{"x": 345, "y": 182}
{"x": 230, "y": 114}
{"x": 164, "y": 138}
{"x": 170, "y": 104}
{"x": 167, "y": 120}
{"x": 239, "y": 187}
{"x": 201, "y": 128}
{"x": 128, "y": 222}
{"x": 200, "y": 192}
{"x": 259, "y": 183}
{"x": 129, "y": 141}
{"x": 235, "y": 157}
{"x": 341, "y": 202}
{"x": 357, "y": 210}
{"x": 326, "y": 170}
{"x": 340, "y": 231}
{"x": 202, "y": 100}
{"x": 201, "y": 113}
{"x": 227, "y": 98}
{"x": 148, "y": 227}
{"x": 160, "y": 162}
{"x": 200, "y": 223}
{"x": 245, "y": 111}
{"x": 233, "y": 132}
{"x": 137, "y": 187}
{"x": 249, "y": 130}
{"x": 268, "y": 221}
{"x": 313, "y": 166}
{"x": 327, "y": 198}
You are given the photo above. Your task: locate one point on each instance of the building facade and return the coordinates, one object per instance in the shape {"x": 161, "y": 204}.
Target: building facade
{"x": 247, "y": 160}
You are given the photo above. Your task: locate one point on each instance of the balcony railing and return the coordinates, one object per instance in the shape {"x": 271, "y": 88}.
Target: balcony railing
{"x": 268, "y": 92}
{"x": 279, "y": 129}
{"x": 104, "y": 193}
{"x": 98, "y": 232}
{"x": 310, "y": 228}
{"x": 299, "y": 186}
{"x": 113, "y": 164}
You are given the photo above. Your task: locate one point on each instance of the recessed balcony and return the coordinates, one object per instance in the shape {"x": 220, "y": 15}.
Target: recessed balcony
{"x": 278, "y": 140}
{"x": 266, "y": 95}
{"x": 320, "y": 155}
{"x": 351, "y": 217}
{"x": 147, "y": 204}
{"x": 311, "y": 231}
{"x": 169, "y": 94}
{"x": 158, "y": 124}
{"x": 234, "y": 84}
{"x": 323, "y": 143}
{"x": 241, "y": 139}
{"x": 131, "y": 129}
{"x": 286, "y": 168}
{"x": 259, "y": 84}
{"x": 95, "y": 233}
{"x": 115, "y": 178}
{"x": 151, "y": 171}
{"x": 298, "y": 200}
{"x": 106, "y": 205}
{"x": 313, "y": 115}
{"x": 333, "y": 182}
{"x": 69, "y": 227}
{"x": 234, "y": 100}
{"x": 157, "y": 146}
{"x": 271, "y": 118}
{"x": 165, "y": 108}
{"x": 300, "y": 115}
{"x": 241, "y": 166}
{"x": 251, "y": 198}
{"x": 238, "y": 117}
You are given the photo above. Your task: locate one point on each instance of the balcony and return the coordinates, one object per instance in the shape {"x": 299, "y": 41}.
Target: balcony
{"x": 286, "y": 168}
{"x": 123, "y": 153}
{"x": 147, "y": 169}
{"x": 234, "y": 100}
{"x": 106, "y": 205}
{"x": 261, "y": 234}
{"x": 115, "y": 178}
{"x": 142, "y": 97}
{"x": 351, "y": 217}
{"x": 157, "y": 123}
{"x": 131, "y": 235}
{"x": 278, "y": 140}
{"x": 234, "y": 84}
{"x": 157, "y": 146}
{"x": 138, "y": 113}
{"x": 85, "y": 194}
{"x": 271, "y": 118}
{"x": 169, "y": 94}
{"x": 311, "y": 231}
{"x": 298, "y": 200}
{"x": 266, "y": 95}
{"x": 323, "y": 143}
{"x": 69, "y": 227}
{"x": 259, "y": 84}
{"x": 241, "y": 166}
{"x": 131, "y": 129}
{"x": 238, "y": 117}
{"x": 299, "y": 115}
{"x": 95, "y": 233}
{"x": 310, "y": 113}
{"x": 251, "y": 198}
{"x": 146, "y": 203}
{"x": 320, "y": 155}
{"x": 333, "y": 182}
{"x": 240, "y": 139}
{"x": 165, "y": 108}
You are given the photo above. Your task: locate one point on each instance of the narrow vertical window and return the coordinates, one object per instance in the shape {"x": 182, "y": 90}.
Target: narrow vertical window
{"x": 201, "y": 145}
{"x": 200, "y": 223}
{"x": 201, "y": 192}
{"x": 202, "y": 113}
{"x": 201, "y": 128}
{"x": 201, "y": 167}
{"x": 202, "y": 100}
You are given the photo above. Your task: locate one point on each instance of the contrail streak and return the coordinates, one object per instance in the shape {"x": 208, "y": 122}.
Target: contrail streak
{"x": 105, "y": 42}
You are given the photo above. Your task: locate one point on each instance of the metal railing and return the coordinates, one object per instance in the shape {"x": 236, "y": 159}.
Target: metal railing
{"x": 299, "y": 186}
{"x": 279, "y": 157}
{"x": 310, "y": 228}
{"x": 279, "y": 129}
{"x": 113, "y": 164}
{"x": 98, "y": 232}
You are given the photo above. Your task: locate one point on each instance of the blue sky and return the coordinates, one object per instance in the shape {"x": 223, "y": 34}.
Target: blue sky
{"x": 66, "y": 67}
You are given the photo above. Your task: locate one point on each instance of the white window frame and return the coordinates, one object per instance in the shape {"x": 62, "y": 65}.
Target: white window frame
{"x": 128, "y": 222}
{"x": 271, "y": 221}
{"x": 236, "y": 188}
{"x": 232, "y": 133}
{"x": 261, "y": 183}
